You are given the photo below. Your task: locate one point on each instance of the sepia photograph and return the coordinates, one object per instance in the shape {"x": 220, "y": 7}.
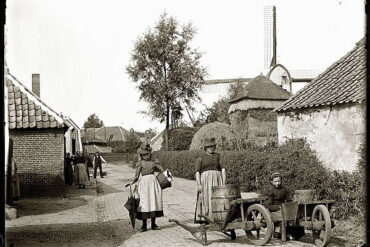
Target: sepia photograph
{"x": 184, "y": 123}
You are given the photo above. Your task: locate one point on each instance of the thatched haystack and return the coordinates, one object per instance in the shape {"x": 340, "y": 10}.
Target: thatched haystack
{"x": 222, "y": 132}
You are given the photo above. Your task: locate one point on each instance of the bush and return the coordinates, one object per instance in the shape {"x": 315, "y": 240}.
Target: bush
{"x": 179, "y": 138}
{"x": 120, "y": 157}
{"x": 299, "y": 165}
{"x": 129, "y": 146}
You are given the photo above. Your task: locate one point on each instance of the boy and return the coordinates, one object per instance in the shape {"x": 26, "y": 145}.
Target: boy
{"x": 277, "y": 194}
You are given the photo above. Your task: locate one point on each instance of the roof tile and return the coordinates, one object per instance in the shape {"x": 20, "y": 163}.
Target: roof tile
{"x": 32, "y": 124}
{"x": 11, "y": 113}
{"x": 344, "y": 81}
{"x": 53, "y": 124}
{"x": 11, "y": 107}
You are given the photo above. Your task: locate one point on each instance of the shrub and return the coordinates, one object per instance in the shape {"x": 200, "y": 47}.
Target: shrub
{"x": 179, "y": 138}
{"x": 299, "y": 165}
{"x": 120, "y": 157}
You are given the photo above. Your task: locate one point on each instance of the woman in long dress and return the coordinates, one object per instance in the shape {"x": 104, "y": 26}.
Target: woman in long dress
{"x": 149, "y": 190}
{"x": 208, "y": 173}
{"x": 81, "y": 178}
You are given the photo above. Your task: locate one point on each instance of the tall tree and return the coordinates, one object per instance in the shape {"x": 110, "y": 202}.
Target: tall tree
{"x": 166, "y": 68}
{"x": 93, "y": 121}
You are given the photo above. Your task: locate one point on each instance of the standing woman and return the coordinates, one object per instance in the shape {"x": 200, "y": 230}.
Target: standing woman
{"x": 80, "y": 171}
{"x": 208, "y": 173}
{"x": 149, "y": 190}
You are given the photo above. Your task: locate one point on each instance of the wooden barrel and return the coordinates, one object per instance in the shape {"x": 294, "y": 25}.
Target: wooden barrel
{"x": 221, "y": 197}
{"x": 304, "y": 195}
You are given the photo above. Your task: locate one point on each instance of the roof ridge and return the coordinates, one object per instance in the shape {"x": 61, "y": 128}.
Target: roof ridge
{"x": 340, "y": 77}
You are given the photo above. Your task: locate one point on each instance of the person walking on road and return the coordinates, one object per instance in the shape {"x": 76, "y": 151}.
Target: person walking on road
{"x": 97, "y": 163}
{"x": 149, "y": 190}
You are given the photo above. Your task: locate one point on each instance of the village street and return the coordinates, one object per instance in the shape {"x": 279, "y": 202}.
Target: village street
{"x": 97, "y": 217}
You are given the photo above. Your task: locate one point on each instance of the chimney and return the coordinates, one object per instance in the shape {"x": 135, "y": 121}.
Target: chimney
{"x": 36, "y": 84}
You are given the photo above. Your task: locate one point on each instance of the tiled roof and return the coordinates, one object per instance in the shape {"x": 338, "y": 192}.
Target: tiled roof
{"x": 343, "y": 82}
{"x": 112, "y": 133}
{"x": 27, "y": 110}
{"x": 88, "y": 136}
{"x": 262, "y": 88}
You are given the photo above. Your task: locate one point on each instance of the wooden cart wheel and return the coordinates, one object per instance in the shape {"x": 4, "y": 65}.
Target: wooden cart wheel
{"x": 321, "y": 237}
{"x": 261, "y": 217}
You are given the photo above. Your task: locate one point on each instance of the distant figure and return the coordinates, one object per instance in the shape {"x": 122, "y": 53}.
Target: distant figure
{"x": 81, "y": 177}
{"x": 97, "y": 163}
{"x": 15, "y": 181}
{"x": 68, "y": 169}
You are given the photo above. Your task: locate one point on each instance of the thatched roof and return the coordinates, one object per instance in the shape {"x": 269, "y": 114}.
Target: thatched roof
{"x": 262, "y": 88}
{"x": 222, "y": 132}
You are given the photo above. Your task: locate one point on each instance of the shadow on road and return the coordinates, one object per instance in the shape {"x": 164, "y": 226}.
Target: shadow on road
{"x": 80, "y": 234}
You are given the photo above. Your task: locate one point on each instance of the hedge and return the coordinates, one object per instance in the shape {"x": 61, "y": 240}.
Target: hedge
{"x": 122, "y": 157}
{"x": 298, "y": 164}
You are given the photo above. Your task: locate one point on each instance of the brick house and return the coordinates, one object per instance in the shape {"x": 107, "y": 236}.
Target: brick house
{"x": 38, "y": 134}
{"x": 330, "y": 111}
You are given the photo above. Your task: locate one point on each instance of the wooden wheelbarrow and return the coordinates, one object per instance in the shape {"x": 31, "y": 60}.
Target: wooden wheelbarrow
{"x": 247, "y": 214}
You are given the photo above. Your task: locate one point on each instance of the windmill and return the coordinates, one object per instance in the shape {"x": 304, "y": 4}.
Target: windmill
{"x": 290, "y": 80}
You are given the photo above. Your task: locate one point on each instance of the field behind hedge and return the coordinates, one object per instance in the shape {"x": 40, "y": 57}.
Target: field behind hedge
{"x": 299, "y": 165}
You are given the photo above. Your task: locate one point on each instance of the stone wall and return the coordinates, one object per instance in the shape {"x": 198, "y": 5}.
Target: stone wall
{"x": 334, "y": 132}
{"x": 40, "y": 158}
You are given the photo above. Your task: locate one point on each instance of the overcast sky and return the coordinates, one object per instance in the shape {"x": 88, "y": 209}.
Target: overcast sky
{"x": 81, "y": 48}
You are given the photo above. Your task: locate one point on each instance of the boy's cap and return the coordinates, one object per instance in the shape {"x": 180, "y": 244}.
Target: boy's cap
{"x": 275, "y": 175}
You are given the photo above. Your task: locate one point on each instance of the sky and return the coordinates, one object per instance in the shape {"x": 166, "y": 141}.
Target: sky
{"x": 81, "y": 48}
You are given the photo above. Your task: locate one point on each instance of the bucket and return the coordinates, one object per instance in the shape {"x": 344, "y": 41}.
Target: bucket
{"x": 221, "y": 198}
{"x": 304, "y": 195}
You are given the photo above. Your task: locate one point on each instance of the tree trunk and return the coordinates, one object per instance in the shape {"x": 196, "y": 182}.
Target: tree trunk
{"x": 167, "y": 122}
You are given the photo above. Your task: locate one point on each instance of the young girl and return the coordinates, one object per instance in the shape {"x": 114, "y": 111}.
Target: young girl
{"x": 149, "y": 190}
{"x": 208, "y": 173}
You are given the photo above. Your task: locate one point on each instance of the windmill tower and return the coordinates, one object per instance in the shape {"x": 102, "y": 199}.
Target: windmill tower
{"x": 291, "y": 80}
